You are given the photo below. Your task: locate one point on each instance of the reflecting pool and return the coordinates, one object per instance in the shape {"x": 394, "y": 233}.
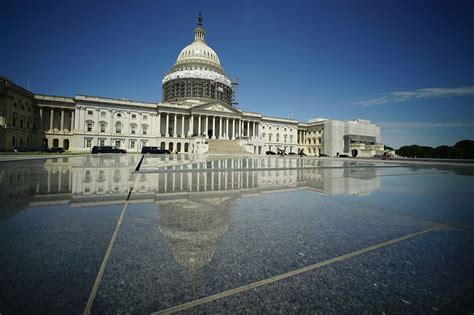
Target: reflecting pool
{"x": 220, "y": 234}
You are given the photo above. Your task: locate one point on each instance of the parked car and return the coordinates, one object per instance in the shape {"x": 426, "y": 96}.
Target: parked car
{"x": 270, "y": 153}
{"x": 387, "y": 156}
{"x": 343, "y": 155}
{"x": 107, "y": 149}
{"x": 20, "y": 149}
{"x": 55, "y": 150}
{"x": 155, "y": 150}
{"x": 323, "y": 155}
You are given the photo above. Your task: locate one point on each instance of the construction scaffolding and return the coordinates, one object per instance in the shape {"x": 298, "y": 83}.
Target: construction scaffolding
{"x": 186, "y": 88}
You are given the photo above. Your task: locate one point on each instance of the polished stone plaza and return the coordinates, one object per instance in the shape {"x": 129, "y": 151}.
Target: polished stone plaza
{"x": 220, "y": 234}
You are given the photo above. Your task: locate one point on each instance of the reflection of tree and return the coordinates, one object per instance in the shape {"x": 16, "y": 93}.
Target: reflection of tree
{"x": 193, "y": 227}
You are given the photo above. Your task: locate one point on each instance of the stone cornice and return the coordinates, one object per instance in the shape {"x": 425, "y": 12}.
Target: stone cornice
{"x": 113, "y": 101}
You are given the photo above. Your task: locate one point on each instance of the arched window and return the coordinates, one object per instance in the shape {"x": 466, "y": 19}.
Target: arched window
{"x": 144, "y": 129}
{"x": 103, "y": 126}
{"x": 133, "y": 129}
{"x": 118, "y": 127}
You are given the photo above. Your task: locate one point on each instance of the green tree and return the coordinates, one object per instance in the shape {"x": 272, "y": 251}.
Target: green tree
{"x": 462, "y": 150}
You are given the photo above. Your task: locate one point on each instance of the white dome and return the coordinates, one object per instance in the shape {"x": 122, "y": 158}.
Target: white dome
{"x": 198, "y": 50}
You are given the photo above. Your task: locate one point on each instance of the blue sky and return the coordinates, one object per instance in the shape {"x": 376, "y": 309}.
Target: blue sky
{"x": 406, "y": 65}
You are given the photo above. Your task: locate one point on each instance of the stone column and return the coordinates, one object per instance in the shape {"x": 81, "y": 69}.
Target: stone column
{"x": 254, "y": 133}
{"x": 41, "y": 119}
{"x": 220, "y": 127}
{"x": 233, "y": 128}
{"x": 199, "y": 125}
{"x": 191, "y": 125}
{"x": 158, "y": 126}
{"x": 213, "y": 127}
{"x": 182, "y": 127}
{"x": 51, "y": 119}
{"x": 227, "y": 128}
{"x": 73, "y": 120}
{"x": 167, "y": 126}
{"x": 207, "y": 127}
{"x": 62, "y": 120}
{"x": 175, "y": 126}
{"x": 111, "y": 123}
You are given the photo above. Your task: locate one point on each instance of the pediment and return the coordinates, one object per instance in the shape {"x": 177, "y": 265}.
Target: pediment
{"x": 217, "y": 107}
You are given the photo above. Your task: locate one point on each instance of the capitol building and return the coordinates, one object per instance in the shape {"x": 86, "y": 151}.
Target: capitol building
{"x": 196, "y": 115}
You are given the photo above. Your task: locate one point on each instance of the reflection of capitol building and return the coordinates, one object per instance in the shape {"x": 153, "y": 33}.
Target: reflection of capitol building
{"x": 89, "y": 180}
{"x": 194, "y": 200}
{"x": 197, "y": 114}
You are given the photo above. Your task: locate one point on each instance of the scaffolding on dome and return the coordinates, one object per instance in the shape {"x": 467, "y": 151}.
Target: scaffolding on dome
{"x": 192, "y": 88}
{"x": 235, "y": 90}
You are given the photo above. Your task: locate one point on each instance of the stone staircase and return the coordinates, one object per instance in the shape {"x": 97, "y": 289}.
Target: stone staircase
{"x": 219, "y": 146}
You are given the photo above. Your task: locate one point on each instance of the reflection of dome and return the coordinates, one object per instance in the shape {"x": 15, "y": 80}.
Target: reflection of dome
{"x": 197, "y": 73}
{"x": 193, "y": 229}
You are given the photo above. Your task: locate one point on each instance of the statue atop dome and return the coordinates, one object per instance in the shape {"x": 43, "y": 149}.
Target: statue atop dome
{"x": 200, "y": 20}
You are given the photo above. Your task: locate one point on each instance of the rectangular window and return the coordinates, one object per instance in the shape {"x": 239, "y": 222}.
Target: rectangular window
{"x": 134, "y": 116}
{"x": 89, "y": 126}
{"x": 132, "y": 144}
{"x": 101, "y": 142}
{"x": 144, "y": 129}
{"x": 89, "y": 112}
{"x": 88, "y": 143}
{"x": 102, "y": 127}
{"x": 103, "y": 113}
{"x": 117, "y": 143}
{"x": 145, "y": 117}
